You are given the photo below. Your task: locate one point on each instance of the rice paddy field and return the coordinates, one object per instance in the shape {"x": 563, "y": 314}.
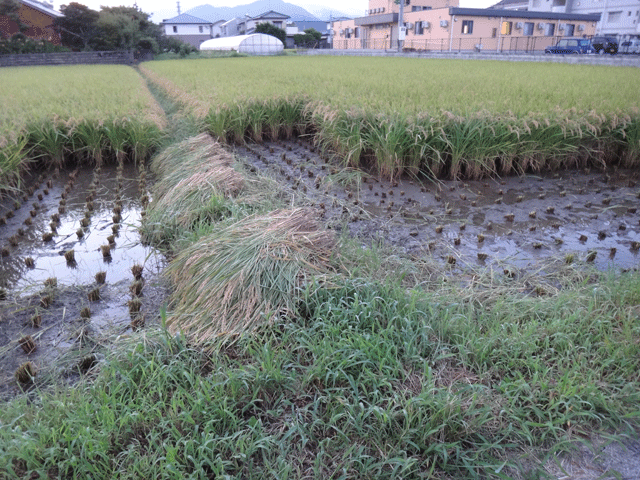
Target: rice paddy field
{"x": 53, "y": 113}
{"x": 320, "y": 268}
{"x": 447, "y": 118}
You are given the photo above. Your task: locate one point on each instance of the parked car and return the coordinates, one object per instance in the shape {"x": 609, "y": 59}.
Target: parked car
{"x": 630, "y": 46}
{"x": 571, "y": 46}
{"x": 604, "y": 44}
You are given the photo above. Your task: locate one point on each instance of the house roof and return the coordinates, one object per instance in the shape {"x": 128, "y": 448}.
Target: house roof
{"x": 524, "y": 4}
{"x": 486, "y": 12}
{"x": 316, "y": 25}
{"x": 271, "y": 14}
{"x": 229, "y": 22}
{"x": 185, "y": 18}
{"x": 42, "y": 7}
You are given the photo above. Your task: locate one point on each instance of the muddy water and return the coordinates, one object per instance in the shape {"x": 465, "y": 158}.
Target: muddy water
{"x": 513, "y": 223}
{"x": 58, "y": 204}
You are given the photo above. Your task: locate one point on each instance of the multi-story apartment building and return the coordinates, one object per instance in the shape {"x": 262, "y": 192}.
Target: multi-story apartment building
{"x": 617, "y": 17}
{"x": 442, "y": 25}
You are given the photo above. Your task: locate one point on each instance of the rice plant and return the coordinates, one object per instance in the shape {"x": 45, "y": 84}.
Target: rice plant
{"x": 468, "y": 129}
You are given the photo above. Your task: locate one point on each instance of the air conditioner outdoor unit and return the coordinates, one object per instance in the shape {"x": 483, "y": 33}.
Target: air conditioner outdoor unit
{"x": 581, "y": 28}
{"x": 519, "y": 25}
{"x": 350, "y": 30}
{"x": 382, "y": 11}
{"x": 342, "y": 32}
{"x": 561, "y": 26}
{"x": 409, "y": 26}
{"x": 541, "y": 26}
{"x": 444, "y": 23}
{"x": 426, "y": 25}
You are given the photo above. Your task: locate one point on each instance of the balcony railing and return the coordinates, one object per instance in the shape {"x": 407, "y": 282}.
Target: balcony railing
{"x": 501, "y": 44}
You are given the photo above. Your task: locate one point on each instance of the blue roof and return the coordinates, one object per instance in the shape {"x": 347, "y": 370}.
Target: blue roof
{"x": 186, "y": 18}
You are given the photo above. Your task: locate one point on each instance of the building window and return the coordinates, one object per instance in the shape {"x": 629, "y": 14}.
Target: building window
{"x": 357, "y": 32}
{"x": 175, "y": 29}
{"x": 494, "y": 32}
{"x": 569, "y": 30}
{"x": 614, "y": 17}
{"x": 419, "y": 29}
{"x": 550, "y": 29}
{"x": 528, "y": 28}
{"x": 200, "y": 28}
{"x": 467, "y": 27}
{"x": 506, "y": 28}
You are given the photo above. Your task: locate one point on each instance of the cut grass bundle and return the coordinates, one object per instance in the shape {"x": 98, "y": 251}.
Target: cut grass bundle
{"x": 246, "y": 273}
{"x": 196, "y": 177}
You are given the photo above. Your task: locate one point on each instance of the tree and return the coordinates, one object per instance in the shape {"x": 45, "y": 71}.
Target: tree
{"x": 309, "y": 39}
{"x": 270, "y": 29}
{"x": 78, "y": 26}
{"x": 126, "y": 28}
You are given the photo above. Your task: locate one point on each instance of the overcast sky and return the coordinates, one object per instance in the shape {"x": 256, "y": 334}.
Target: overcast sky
{"x": 167, "y": 8}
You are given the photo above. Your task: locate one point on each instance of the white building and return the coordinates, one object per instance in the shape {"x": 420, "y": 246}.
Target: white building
{"x": 618, "y": 17}
{"x": 192, "y": 30}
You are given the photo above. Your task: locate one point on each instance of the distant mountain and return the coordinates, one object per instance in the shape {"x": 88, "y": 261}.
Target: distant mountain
{"x": 213, "y": 14}
{"x": 325, "y": 13}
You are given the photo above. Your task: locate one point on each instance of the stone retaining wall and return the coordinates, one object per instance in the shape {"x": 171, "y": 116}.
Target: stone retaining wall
{"x": 67, "y": 58}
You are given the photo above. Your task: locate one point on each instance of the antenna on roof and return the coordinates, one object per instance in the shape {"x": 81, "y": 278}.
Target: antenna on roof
{"x": 178, "y": 7}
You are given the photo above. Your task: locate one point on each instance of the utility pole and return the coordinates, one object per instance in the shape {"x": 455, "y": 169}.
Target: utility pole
{"x": 401, "y": 29}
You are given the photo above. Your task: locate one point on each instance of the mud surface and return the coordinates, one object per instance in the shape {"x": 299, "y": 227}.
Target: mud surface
{"x": 512, "y": 222}
{"x": 57, "y": 300}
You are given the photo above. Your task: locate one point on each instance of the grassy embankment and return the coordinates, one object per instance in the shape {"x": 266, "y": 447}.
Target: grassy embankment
{"x": 327, "y": 360}
{"x": 51, "y": 114}
{"x": 443, "y": 117}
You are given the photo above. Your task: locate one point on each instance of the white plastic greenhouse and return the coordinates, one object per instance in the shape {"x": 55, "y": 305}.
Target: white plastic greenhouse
{"x": 254, "y": 44}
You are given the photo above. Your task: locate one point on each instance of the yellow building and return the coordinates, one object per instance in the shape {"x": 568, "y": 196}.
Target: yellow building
{"x": 440, "y": 25}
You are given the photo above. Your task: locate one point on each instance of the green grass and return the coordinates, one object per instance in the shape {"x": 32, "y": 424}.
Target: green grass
{"x": 369, "y": 380}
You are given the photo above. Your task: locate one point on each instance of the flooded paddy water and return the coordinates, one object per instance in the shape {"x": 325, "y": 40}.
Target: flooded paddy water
{"x": 511, "y": 223}
{"x": 55, "y": 302}
{"x": 56, "y": 305}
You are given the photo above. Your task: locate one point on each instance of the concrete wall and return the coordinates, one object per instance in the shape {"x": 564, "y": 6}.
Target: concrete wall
{"x": 610, "y": 60}
{"x": 67, "y": 58}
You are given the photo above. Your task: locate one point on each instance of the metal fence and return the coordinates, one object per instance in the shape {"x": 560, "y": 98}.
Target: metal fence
{"x": 500, "y": 44}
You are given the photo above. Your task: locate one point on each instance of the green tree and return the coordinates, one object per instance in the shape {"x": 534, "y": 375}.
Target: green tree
{"x": 309, "y": 39}
{"x": 126, "y": 28}
{"x": 78, "y": 26}
{"x": 270, "y": 29}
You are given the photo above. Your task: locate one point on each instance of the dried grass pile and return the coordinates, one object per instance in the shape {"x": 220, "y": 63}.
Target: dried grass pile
{"x": 197, "y": 175}
{"x": 246, "y": 273}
